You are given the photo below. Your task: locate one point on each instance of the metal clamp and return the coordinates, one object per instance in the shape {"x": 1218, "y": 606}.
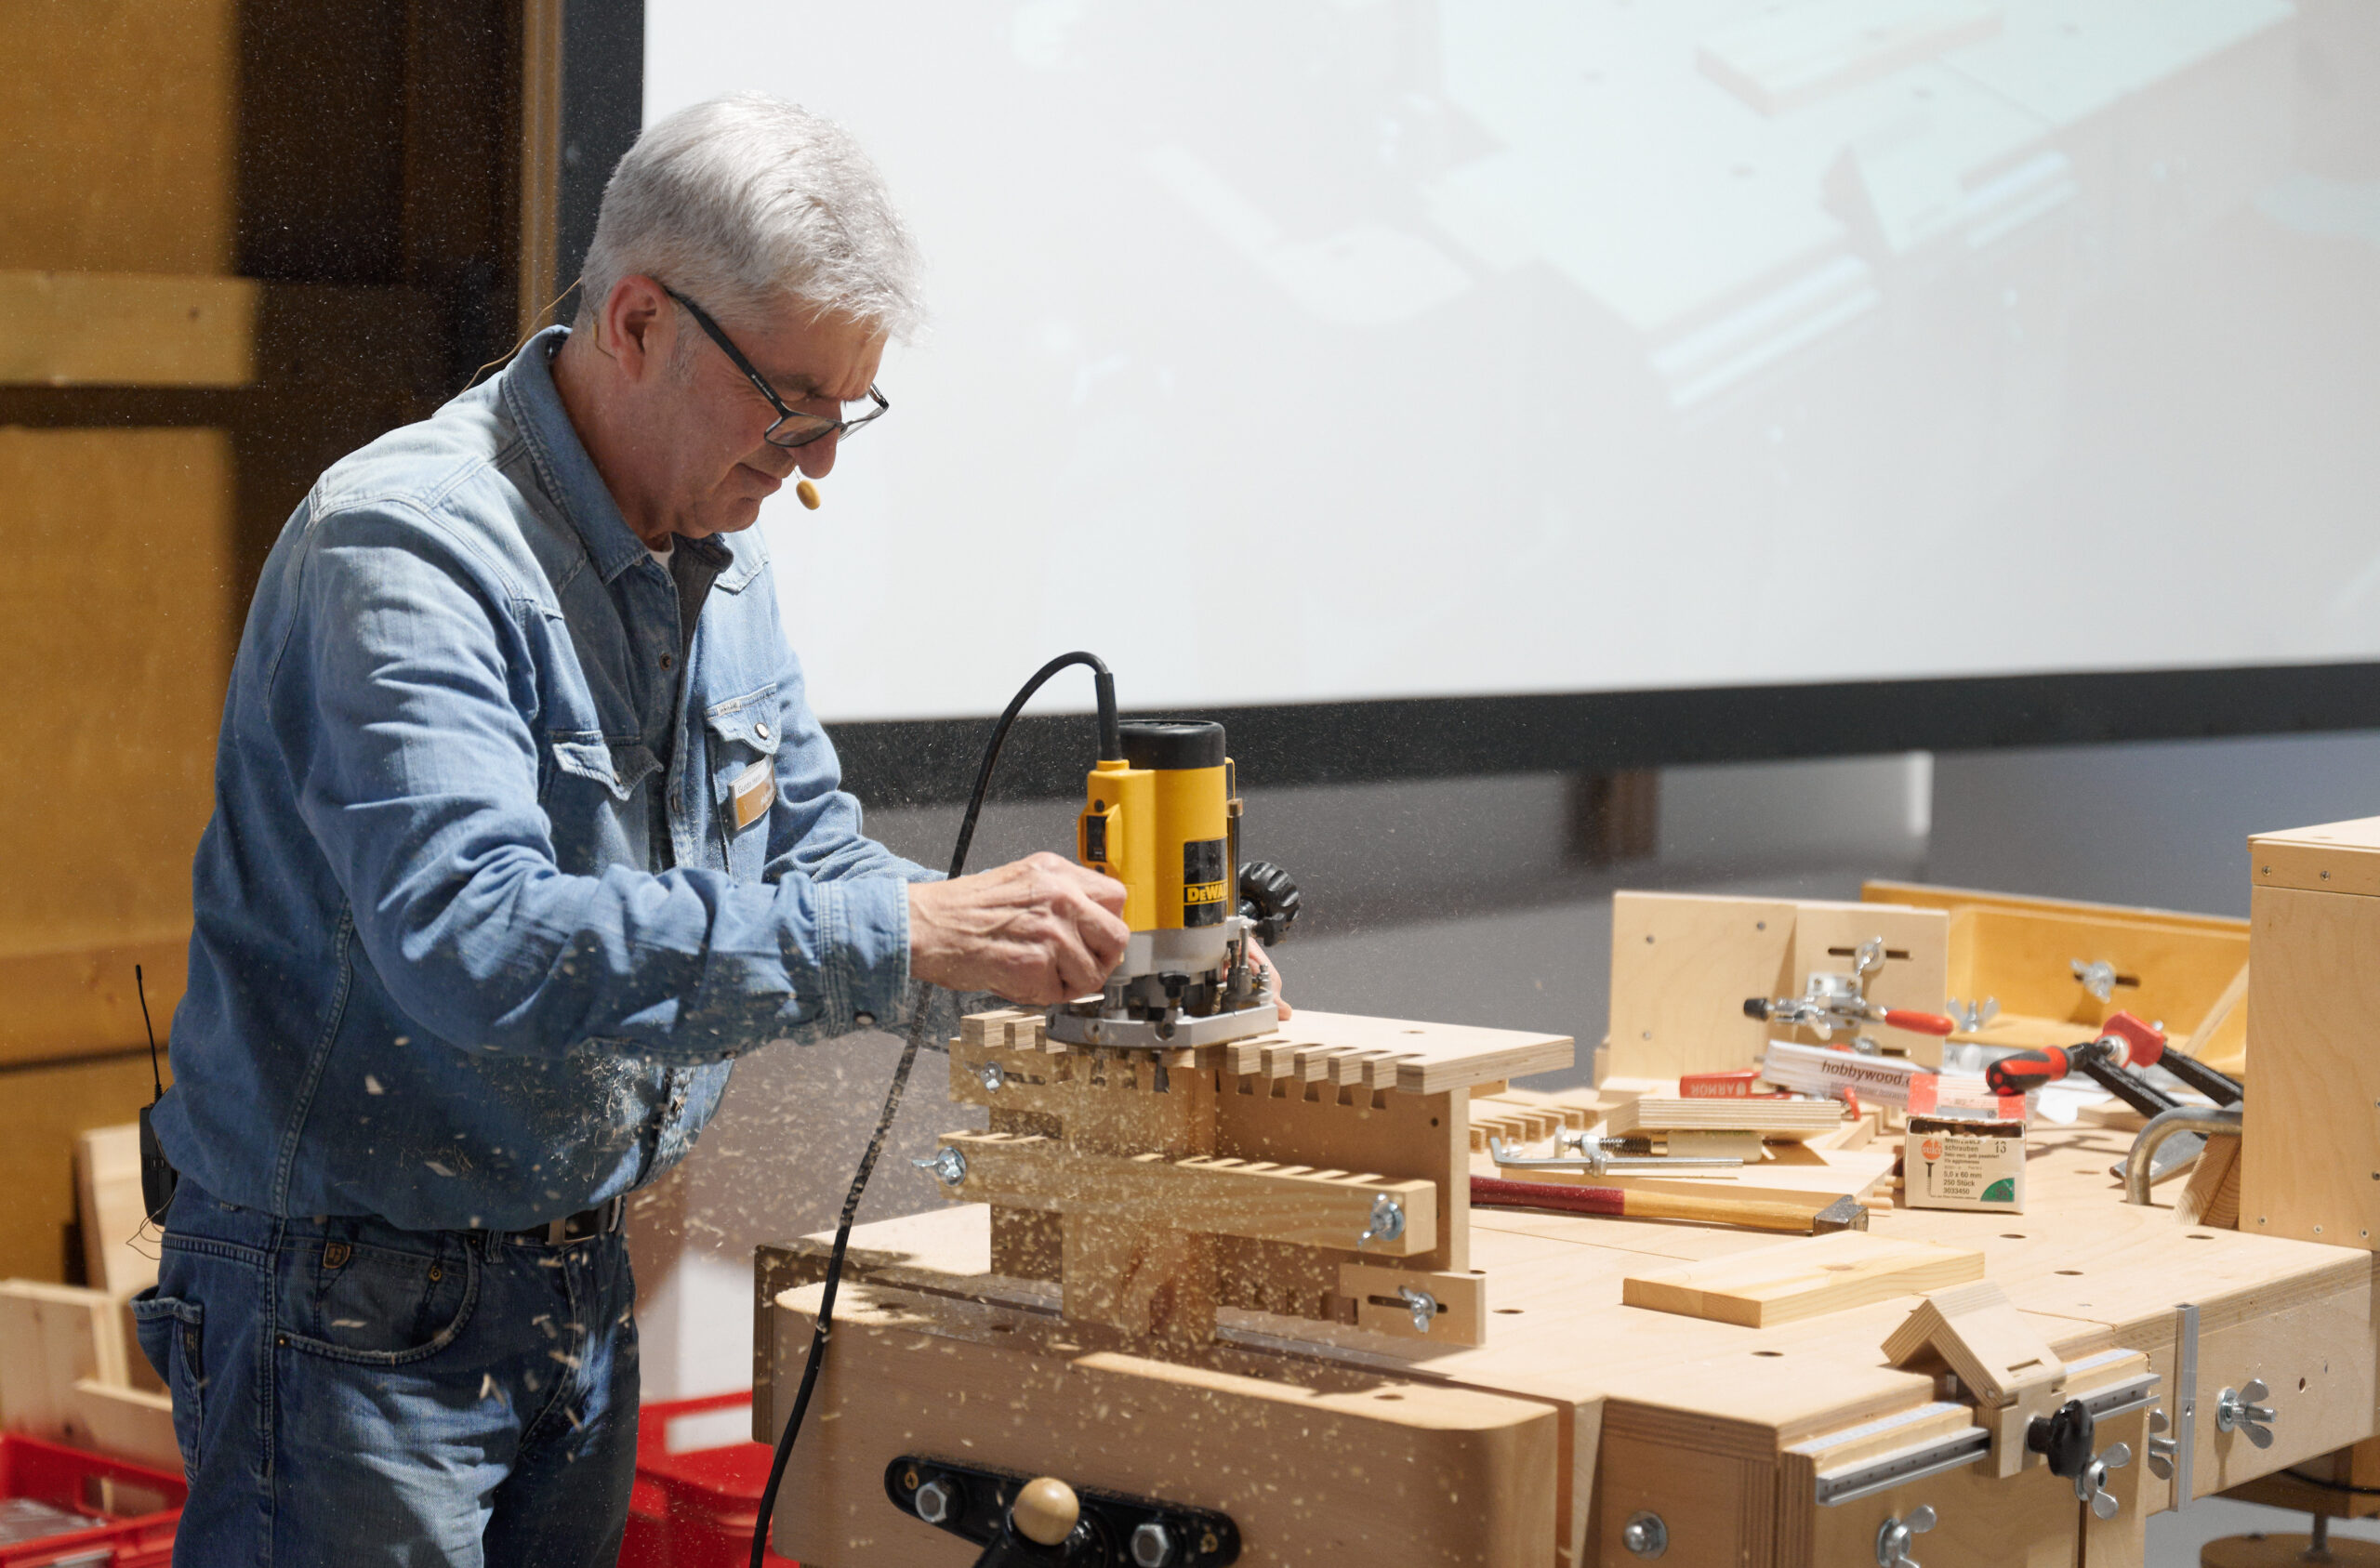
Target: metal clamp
{"x": 1386, "y": 1222}
{"x": 1599, "y": 1162}
{"x": 2244, "y": 1410}
{"x": 2139, "y": 1166}
{"x": 1895, "y": 1535}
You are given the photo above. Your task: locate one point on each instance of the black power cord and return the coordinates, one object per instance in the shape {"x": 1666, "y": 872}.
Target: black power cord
{"x": 1110, "y": 746}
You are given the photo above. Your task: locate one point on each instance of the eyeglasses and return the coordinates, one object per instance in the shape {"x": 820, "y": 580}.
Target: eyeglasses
{"x": 792, "y": 429}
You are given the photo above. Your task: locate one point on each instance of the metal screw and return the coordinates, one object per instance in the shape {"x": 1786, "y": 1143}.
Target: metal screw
{"x": 1152, "y": 1548}
{"x": 993, "y": 1075}
{"x": 937, "y": 1501}
{"x": 1645, "y": 1536}
{"x": 948, "y": 1166}
{"x": 1387, "y": 1220}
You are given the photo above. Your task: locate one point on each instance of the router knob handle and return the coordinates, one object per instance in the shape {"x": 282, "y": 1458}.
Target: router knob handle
{"x": 1045, "y": 1510}
{"x": 1268, "y": 900}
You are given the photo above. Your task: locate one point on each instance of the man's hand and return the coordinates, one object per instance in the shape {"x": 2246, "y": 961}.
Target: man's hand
{"x": 1257, "y": 956}
{"x": 1039, "y": 930}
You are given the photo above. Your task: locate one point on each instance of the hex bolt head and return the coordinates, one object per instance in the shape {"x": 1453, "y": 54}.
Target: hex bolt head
{"x": 1152, "y": 1546}
{"x": 993, "y": 1075}
{"x": 1645, "y": 1536}
{"x": 937, "y": 1500}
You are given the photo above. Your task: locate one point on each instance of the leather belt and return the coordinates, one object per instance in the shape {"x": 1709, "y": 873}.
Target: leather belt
{"x": 586, "y": 1224}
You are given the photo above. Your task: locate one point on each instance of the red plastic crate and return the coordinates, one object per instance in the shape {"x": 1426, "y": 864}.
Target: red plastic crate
{"x": 695, "y": 1509}
{"x": 141, "y": 1506}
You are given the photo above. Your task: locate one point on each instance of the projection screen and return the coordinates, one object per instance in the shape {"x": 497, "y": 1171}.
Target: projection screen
{"x": 1290, "y": 351}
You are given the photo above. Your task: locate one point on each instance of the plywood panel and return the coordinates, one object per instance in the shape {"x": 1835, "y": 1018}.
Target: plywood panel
{"x": 74, "y": 1001}
{"x": 115, "y": 621}
{"x": 1926, "y": 895}
{"x": 125, "y": 329}
{"x": 1316, "y": 1466}
{"x": 2172, "y": 974}
{"x": 42, "y": 1111}
{"x": 1681, "y": 968}
{"x": 2311, "y": 1144}
{"x": 1801, "y": 1279}
{"x": 117, "y": 1259}
{"x": 120, "y": 119}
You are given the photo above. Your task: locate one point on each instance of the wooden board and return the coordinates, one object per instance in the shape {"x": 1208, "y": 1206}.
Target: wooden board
{"x": 136, "y": 1423}
{"x": 1801, "y": 1279}
{"x": 1681, "y": 968}
{"x": 1206, "y": 1194}
{"x": 115, "y": 329}
{"x": 1683, "y": 964}
{"x": 65, "y": 1002}
{"x": 1411, "y": 1058}
{"x": 2172, "y": 974}
{"x": 2341, "y": 857}
{"x": 1447, "y": 1475}
{"x": 1778, "y": 61}
{"x": 1788, "y": 1120}
{"x": 114, "y": 774}
{"x": 1345, "y": 1050}
{"x": 1816, "y": 1177}
{"x": 121, "y": 125}
{"x": 53, "y": 1337}
{"x": 2310, "y": 1140}
{"x": 117, "y": 1258}
{"x": 42, "y": 1112}
{"x": 1929, "y": 895}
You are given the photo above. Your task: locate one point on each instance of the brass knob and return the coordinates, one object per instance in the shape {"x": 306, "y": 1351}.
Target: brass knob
{"x": 1045, "y": 1510}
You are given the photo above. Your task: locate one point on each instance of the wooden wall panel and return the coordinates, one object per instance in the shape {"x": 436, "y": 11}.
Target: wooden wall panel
{"x": 119, "y": 118}
{"x": 116, "y": 625}
{"x": 42, "y": 1112}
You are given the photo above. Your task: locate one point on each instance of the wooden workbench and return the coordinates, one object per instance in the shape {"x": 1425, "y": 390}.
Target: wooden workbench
{"x": 1578, "y": 1414}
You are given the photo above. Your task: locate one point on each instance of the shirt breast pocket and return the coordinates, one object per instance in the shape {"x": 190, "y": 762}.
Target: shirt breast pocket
{"x": 744, "y": 740}
{"x": 593, "y": 807}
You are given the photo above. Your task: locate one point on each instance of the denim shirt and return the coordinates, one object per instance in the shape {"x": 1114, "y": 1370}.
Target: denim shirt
{"x": 476, "y": 936}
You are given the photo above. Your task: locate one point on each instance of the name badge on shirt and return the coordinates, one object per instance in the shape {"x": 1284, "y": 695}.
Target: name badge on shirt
{"x": 752, "y": 791}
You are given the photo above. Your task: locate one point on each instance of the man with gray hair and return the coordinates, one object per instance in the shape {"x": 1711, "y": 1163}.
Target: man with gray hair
{"x": 523, "y": 831}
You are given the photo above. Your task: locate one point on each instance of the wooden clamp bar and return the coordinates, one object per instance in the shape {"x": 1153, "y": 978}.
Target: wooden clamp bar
{"x": 1197, "y": 1193}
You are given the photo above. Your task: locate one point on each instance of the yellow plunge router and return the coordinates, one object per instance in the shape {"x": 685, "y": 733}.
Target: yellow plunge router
{"x": 1163, "y": 819}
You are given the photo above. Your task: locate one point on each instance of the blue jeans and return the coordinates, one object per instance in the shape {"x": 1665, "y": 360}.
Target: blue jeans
{"x": 347, "y": 1392}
